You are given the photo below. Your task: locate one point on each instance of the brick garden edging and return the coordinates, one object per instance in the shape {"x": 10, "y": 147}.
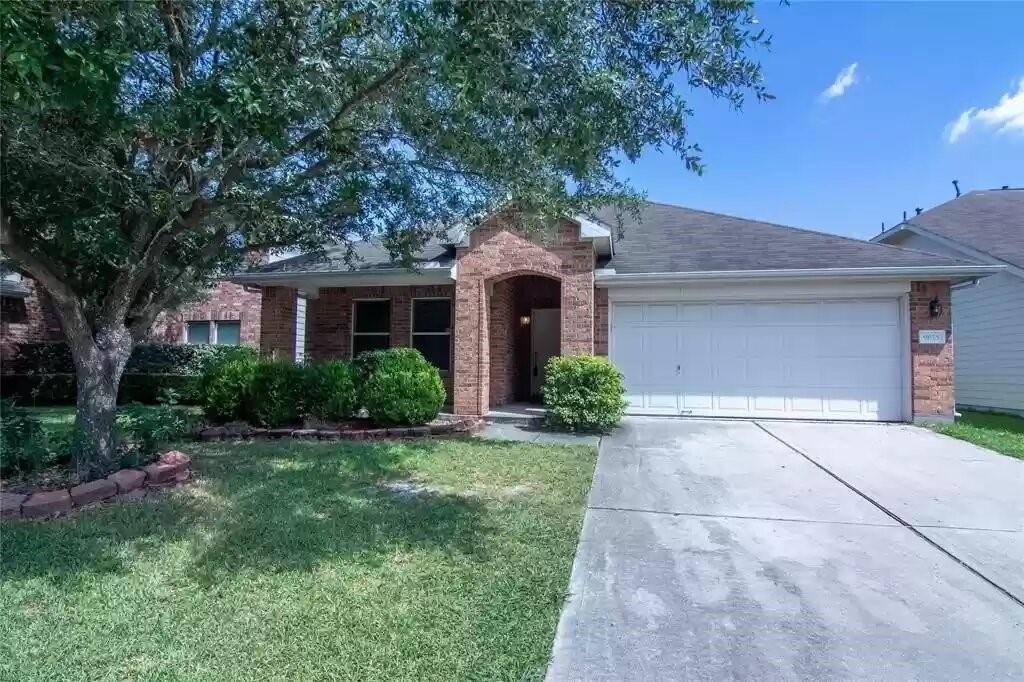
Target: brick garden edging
{"x": 172, "y": 468}
{"x": 234, "y": 431}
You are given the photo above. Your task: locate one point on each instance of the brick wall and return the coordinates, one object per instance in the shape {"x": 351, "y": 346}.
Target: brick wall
{"x": 329, "y": 318}
{"x": 226, "y": 302}
{"x": 27, "y": 320}
{"x": 496, "y": 252}
{"x": 931, "y": 365}
{"x": 504, "y": 323}
{"x": 277, "y": 322}
{"x": 601, "y": 322}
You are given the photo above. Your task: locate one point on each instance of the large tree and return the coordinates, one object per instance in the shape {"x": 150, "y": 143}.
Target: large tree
{"x": 148, "y": 146}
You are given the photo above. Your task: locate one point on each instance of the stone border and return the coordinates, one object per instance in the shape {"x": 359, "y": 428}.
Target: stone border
{"x": 170, "y": 469}
{"x": 236, "y": 431}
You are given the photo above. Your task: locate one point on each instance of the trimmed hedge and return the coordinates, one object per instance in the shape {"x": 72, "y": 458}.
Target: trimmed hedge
{"x": 59, "y": 389}
{"x": 43, "y": 373}
{"x": 583, "y": 393}
{"x": 402, "y": 389}
{"x": 147, "y": 358}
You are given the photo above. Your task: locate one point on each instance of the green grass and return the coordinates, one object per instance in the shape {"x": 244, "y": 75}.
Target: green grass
{"x": 306, "y": 561}
{"x": 1000, "y": 432}
{"x": 60, "y": 418}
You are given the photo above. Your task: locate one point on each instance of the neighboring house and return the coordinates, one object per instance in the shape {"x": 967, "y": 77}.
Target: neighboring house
{"x": 988, "y": 322}
{"x": 229, "y": 315}
{"x": 705, "y": 314}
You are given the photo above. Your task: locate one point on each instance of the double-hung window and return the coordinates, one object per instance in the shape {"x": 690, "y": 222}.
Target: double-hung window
{"x": 432, "y": 330}
{"x": 371, "y": 326}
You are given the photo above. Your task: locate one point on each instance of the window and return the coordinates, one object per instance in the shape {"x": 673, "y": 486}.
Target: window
{"x": 371, "y": 326}
{"x": 198, "y": 332}
{"x": 432, "y": 330}
{"x": 226, "y": 333}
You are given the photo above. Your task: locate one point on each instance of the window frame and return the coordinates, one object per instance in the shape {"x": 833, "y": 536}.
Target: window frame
{"x": 212, "y": 331}
{"x": 451, "y": 319}
{"x": 352, "y": 333}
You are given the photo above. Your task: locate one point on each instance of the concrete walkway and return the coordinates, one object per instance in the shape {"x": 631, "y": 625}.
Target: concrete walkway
{"x": 736, "y": 550}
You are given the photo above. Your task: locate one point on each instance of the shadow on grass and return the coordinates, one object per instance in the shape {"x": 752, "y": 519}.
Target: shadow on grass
{"x": 267, "y": 507}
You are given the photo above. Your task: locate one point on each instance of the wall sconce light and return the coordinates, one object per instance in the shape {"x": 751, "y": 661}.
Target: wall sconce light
{"x": 524, "y": 320}
{"x": 934, "y": 308}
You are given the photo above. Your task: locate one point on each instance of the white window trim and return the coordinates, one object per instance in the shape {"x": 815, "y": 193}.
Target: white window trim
{"x": 352, "y": 324}
{"x": 413, "y": 333}
{"x": 213, "y": 324}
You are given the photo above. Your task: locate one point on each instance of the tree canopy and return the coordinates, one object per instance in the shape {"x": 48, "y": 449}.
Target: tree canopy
{"x": 148, "y": 146}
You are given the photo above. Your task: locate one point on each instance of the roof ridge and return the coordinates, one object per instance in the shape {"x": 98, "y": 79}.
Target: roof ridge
{"x": 862, "y": 242}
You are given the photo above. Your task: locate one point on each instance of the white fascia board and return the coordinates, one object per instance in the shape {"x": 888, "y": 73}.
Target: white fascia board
{"x": 605, "y": 278}
{"x": 326, "y": 279}
{"x": 949, "y": 243}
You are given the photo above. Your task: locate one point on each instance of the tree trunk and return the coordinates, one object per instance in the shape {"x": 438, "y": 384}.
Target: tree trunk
{"x": 99, "y": 368}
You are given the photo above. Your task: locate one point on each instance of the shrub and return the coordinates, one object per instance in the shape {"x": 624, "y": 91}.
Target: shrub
{"x": 276, "y": 393}
{"x": 144, "y": 430}
{"x": 23, "y": 443}
{"x": 225, "y": 389}
{"x": 402, "y": 388}
{"x": 583, "y": 393}
{"x": 147, "y": 358}
{"x": 330, "y": 390}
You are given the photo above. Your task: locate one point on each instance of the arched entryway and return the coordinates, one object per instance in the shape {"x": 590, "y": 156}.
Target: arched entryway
{"x": 524, "y": 331}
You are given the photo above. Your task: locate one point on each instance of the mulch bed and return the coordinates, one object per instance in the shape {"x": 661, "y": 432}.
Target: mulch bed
{"x": 352, "y": 430}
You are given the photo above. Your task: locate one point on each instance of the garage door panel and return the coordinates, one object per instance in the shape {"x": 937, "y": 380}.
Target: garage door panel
{"x": 822, "y": 359}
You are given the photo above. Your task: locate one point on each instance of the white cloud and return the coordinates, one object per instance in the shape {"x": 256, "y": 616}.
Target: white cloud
{"x": 846, "y": 78}
{"x": 1005, "y": 116}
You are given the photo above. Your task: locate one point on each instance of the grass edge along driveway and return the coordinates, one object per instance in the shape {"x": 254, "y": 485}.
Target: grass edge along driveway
{"x": 1000, "y": 432}
{"x": 394, "y": 560}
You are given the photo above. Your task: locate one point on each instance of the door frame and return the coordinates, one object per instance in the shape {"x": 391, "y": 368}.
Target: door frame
{"x": 781, "y": 292}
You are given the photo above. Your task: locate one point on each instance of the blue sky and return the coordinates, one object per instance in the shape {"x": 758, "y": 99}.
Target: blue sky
{"x": 848, "y": 162}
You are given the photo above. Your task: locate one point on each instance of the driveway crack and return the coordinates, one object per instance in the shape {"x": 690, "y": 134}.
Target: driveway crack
{"x": 895, "y": 517}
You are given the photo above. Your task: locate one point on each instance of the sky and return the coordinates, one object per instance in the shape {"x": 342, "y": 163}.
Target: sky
{"x": 879, "y": 106}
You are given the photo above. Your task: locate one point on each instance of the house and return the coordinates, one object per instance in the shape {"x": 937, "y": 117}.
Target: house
{"x": 705, "y": 314}
{"x": 230, "y": 314}
{"x": 988, "y": 325}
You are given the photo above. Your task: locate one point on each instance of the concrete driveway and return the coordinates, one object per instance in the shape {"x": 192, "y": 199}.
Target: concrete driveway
{"x": 770, "y": 550}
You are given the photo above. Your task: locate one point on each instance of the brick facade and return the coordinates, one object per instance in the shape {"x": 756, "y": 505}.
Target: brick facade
{"x": 601, "y": 322}
{"x": 31, "y": 319}
{"x": 931, "y": 365}
{"x": 277, "y": 322}
{"x": 496, "y": 253}
{"x": 226, "y": 302}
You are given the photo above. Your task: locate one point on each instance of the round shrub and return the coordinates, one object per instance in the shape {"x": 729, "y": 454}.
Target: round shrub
{"x": 330, "y": 390}
{"x": 583, "y": 393}
{"x": 225, "y": 388}
{"x": 276, "y": 394}
{"x": 402, "y": 389}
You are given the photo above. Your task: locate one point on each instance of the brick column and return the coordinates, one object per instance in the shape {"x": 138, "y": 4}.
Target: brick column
{"x": 472, "y": 356}
{"x": 931, "y": 365}
{"x": 277, "y": 330}
{"x": 601, "y": 322}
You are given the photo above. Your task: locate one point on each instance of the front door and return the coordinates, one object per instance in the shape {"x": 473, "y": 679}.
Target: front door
{"x": 545, "y": 342}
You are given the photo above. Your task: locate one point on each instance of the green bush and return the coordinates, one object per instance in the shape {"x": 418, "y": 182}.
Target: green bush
{"x": 276, "y": 394}
{"x": 144, "y": 430}
{"x": 402, "y": 388}
{"x": 23, "y": 443}
{"x": 147, "y": 358}
{"x": 225, "y": 389}
{"x": 330, "y": 390}
{"x": 583, "y": 393}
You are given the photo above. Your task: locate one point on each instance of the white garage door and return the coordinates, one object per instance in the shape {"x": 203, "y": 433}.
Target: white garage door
{"x": 822, "y": 359}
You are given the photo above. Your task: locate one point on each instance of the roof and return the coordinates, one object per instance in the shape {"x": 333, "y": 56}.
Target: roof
{"x": 665, "y": 239}
{"x": 989, "y": 221}
{"x": 673, "y": 239}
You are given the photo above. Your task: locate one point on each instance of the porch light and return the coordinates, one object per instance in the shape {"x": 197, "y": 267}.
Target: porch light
{"x": 934, "y": 308}
{"x": 524, "y": 320}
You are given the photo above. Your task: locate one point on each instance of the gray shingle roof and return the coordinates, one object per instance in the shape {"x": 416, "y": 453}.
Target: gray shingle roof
{"x": 675, "y": 239}
{"x": 990, "y": 221}
{"x": 369, "y": 257}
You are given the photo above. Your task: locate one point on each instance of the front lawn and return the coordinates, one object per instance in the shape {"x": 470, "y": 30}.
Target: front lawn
{"x": 59, "y": 419}
{"x": 395, "y": 560}
{"x": 1000, "y": 432}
